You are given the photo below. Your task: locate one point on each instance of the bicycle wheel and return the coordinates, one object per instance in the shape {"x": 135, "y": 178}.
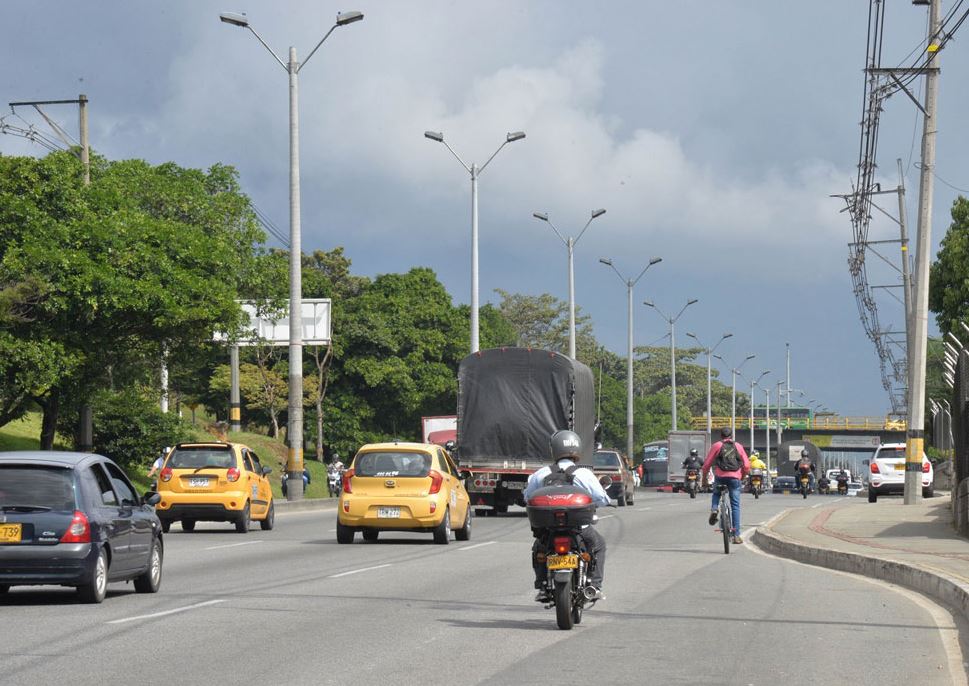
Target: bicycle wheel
{"x": 726, "y": 521}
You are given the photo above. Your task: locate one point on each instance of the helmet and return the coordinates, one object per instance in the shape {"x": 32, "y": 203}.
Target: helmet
{"x": 725, "y": 432}
{"x": 755, "y": 454}
{"x": 694, "y": 453}
{"x": 565, "y": 444}
{"x": 805, "y": 453}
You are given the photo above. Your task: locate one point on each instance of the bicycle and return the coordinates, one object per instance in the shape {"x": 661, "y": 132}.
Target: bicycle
{"x": 726, "y": 516}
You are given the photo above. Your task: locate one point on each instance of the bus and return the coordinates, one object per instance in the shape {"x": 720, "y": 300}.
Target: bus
{"x": 655, "y": 459}
{"x": 791, "y": 417}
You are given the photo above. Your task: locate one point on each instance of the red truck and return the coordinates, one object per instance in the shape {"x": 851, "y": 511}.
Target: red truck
{"x": 510, "y": 401}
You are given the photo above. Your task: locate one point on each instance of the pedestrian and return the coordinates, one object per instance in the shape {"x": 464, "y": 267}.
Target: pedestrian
{"x": 730, "y": 465}
{"x": 159, "y": 461}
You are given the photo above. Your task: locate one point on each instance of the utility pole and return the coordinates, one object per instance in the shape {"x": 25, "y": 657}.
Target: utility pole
{"x": 85, "y": 152}
{"x": 235, "y": 406}
{"x": 906, "y": 284}
{"x": 917, "y": 355}
{"x": 788, "y": 346}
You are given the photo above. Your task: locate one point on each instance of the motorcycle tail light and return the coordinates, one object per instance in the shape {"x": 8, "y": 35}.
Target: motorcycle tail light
{"x": 232, "y": 474}
{"x": 347, "y": 476}
{"x": 436, "y": 480}
{"x": 562, "y": 545}
{"x": 166, "y": 474}
{"x": 874, "y": 468}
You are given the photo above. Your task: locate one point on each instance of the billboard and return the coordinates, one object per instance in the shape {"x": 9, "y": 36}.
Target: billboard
{"x": 317, "y": 325}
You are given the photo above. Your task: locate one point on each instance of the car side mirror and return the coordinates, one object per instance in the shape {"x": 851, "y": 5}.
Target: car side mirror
{"x": 151, "y": 498}
{"x": 266, "y": 471}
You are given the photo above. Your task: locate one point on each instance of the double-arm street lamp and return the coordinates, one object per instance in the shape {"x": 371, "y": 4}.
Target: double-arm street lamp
{"x": 753, "y": 384}
{"x": 630, "y": 284}
{"x": 672, "y": 322}
{"x": 570, "y": 244}
{"x": 709, "y": 352}
{"x": 733, "y": 392}
{"x": 294, "y": 431}
{"x": 475, "y": 172}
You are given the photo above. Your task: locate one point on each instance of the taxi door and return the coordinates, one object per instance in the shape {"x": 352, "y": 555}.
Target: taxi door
{"x": 262, "y": 492}
{"x": 459, "y": 499}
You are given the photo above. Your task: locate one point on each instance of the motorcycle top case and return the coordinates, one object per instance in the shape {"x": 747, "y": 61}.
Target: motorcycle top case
{"x": 560, "y": 507}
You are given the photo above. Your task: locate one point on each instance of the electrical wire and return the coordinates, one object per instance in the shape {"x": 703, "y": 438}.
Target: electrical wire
{"x": 918, "y": 165}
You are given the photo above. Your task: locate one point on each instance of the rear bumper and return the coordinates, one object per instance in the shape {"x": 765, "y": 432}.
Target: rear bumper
{"x": 889, "y": 487}
{"x": 69, "y": 564}
{"x": 415, "y": 515}
{"x": 206, "y": 512}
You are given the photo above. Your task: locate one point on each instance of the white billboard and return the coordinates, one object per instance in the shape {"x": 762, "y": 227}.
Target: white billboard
{"x": 262, "y": 330}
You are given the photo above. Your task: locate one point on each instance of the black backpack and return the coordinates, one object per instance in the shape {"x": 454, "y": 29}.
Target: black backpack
{"x": 728, "y": 459}
{"x": 561, "y": 477}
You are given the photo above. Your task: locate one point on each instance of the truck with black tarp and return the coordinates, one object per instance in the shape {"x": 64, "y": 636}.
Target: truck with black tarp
{"x": 510, "y": 401}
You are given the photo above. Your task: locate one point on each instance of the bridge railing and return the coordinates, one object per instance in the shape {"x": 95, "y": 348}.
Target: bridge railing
{"x": 817, "y": 423}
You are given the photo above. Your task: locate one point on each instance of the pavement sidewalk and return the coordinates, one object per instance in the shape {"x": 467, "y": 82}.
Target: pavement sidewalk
{"x": 914, "y": 546}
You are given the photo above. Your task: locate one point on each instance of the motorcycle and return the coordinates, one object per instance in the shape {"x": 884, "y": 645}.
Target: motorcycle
{"x": 824, "y": 486}
{"x": 805, "y": 484}
{"x": 756, "y": 483}
{"x": 692, "y": 484}
{"x": 842, "y": 486}
{"x": 557, "y": 515}
{"x": 334, "y": 481}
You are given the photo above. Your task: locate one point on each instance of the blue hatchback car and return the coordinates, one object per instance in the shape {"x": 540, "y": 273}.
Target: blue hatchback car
{"x": 74, "y": 519}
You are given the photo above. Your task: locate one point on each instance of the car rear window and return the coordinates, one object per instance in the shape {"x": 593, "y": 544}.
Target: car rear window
{"x": 36, "y": 486}
{"x": 891, "y": 453}
{"x": 203, "y": 456}
{"x": 392, "y": 464}
{"x": 605, "y": 460}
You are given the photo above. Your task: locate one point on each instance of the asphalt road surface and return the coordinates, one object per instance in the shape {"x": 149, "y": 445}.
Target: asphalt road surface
{"x": 291, "y": 606}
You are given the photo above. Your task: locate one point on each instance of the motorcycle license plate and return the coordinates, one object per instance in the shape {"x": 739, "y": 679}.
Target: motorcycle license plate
{"x": 562, "y": 562}
{"x": 10, "y": 533}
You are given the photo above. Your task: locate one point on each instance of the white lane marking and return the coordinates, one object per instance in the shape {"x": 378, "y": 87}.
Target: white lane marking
{"x": 477, "y": 545}
{"x": 166, "y": 612}
{"x": 818, "y": 505}
{"x": 231, "y": 545}
{"x": 331, "y": 530}
{"x": 643, "y": 509}
{"x": 606, "y": 516}
{"x": 357, "y": 571}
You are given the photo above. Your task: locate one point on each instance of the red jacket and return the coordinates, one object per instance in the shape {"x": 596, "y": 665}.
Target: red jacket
{"x": 712, "y": 456}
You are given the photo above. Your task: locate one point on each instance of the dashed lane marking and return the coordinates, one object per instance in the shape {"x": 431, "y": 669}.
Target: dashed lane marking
{"x": 166, "y": 612}
{"x": 357, "y": 571}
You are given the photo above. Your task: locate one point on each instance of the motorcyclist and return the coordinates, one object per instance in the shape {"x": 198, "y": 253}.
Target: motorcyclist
{"x": 805, "y": 466}
{"x": 757, "y": 466}
{"x": 824, "y": 484}
{"x": 842, "y": 477}
{"x": 565, "y": 448}
{"x": 336, "y": 464}
{"x": 693, "y": 461}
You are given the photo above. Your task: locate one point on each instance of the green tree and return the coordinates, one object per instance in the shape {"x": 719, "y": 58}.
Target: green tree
{"x": 949, "y": 275}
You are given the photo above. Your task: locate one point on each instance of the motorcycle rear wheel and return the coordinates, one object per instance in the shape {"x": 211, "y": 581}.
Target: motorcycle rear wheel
{"x": 577, "y": 613}
{"x": 562, "y": 594}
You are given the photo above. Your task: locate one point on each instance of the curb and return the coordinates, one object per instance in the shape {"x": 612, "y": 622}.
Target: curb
{"x": 951, "y": 593}
{"x": 308, "y": 505}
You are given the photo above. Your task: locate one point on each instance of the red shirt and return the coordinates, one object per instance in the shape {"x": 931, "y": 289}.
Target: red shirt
{"x": 712, "y": 456}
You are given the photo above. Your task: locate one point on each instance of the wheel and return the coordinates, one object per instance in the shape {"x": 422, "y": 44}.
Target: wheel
{"x": 562, "y": 594}
{"x": 464, "y": 533}
{"x": 480, "y": 512}
{"x": 165, "y": 525}
{"x": 756, "y": 495}
{"x": 501, "y": 509}
{"x": 629, "y": 498}
{"x": 725, "y": 522}
{"x": 344, "y": 534}
{"x": 150, "y": 581}
{"x": 370, "y": 534}
{"x": 928, "y": 491}
{"x": 577, "y": 613}
{"x": 269, "y": 522}
{"x": 95, "y": 589}
{"x": 804, "y": 493}
{"x": 442, "y": 532}
{"x": 242, "y": 524}
{"x": 188, "y": 525}
{"x": 622, "y": 499}
{"x": 872, "y": 496}
{"x": 693, "y": 493}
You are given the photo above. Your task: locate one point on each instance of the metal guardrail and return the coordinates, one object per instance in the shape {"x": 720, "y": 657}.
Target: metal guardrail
{"x": 817, "y": 423}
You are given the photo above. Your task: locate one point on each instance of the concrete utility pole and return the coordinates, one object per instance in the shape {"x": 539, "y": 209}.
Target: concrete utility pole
{"x": 920, "y": 311}
{"x": 788, "y": 346}
{"x": 235, "y": 406}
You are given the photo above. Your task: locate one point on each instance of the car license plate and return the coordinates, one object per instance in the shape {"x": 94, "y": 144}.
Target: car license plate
{"x": 388, "y": 512}
{"x": 786, "y": 492}
{"x": 900, "y": 467}
{"x": 514, "y": 485}
{"x": 562, "y": 561}
{"x": 10, "y": 533}
{"x": 198, "y": 482}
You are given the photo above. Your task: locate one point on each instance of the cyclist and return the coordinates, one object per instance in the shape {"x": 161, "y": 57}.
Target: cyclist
{"x": 730, "y": 465}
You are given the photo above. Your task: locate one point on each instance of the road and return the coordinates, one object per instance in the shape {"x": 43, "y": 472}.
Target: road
{"x": 291, "y": 606}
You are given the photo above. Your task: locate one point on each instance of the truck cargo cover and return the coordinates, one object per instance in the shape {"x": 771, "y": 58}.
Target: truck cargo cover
{"x": 511, "y": 400}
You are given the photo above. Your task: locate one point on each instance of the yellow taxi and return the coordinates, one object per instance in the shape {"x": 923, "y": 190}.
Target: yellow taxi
{"x": 215, "y": 482}
{"x": 403, "y": 487}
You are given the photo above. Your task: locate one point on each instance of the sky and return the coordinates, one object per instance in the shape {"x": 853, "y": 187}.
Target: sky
{"x": 713, "y": 133}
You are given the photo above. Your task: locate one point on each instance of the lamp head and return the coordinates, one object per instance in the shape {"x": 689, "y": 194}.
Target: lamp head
{"x": 726, "y": 336}
{"x": 597, "y": 213}
{"x": 434, "y": 136}
{"x": 235, "y": 19}
{"x": 690, "y": 302}
{"x": 749, "y": 357}
{"x": 692, "y": 335}
{"x": 655, "y": 260}
{"x": 540, "y": 215}
{"x": 648, "y": 303}
{"x": 344, "y": 18}
{"x": 514, "y": 136}
{"x": 606, "y": 261}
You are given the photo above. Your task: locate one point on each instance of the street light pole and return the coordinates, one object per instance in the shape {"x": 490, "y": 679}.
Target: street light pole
{"x": 767, "y": 434}
{"x": 709, "y": 352}
{"x": 570, "y": 244}
{"x": 475, "y": 171}
{"x": 672, "y": 323}
{"x": 294, "y": 430}
{"x": 753, "y": 384}
{"x": 630, "y": 284}
{"x": 733, "y": 393}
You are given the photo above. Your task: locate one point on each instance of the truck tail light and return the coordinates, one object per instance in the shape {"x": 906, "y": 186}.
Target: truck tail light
{"x": 436, "y": 480}
{"x": 79, "y": 530}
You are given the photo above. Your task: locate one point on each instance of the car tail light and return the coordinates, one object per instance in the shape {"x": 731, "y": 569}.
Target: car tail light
{"x": 232, "y": 474}
{"x": 166, "y": 474}
{"x": 874, "y": 468}
{"x": 925, "y": 467}
{"x": 617, "y": 477}
{"x": 562, "y": 545}
{"x": 79, "y": 530}
{"x": 347, "y": 475}
{"x": 436, "y": 480}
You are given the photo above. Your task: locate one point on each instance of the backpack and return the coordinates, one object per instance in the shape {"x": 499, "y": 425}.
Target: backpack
{"x": 728, "y": 459}
{"x": 561, "y": 477}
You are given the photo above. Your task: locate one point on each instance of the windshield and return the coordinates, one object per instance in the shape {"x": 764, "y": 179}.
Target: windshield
{"x": 392, "y": 464}
{"x": 42, "y": 488}
{"x": 610, "y": 460}
{"x": 655, "y": 452}
{"x": 201, "y": 457}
